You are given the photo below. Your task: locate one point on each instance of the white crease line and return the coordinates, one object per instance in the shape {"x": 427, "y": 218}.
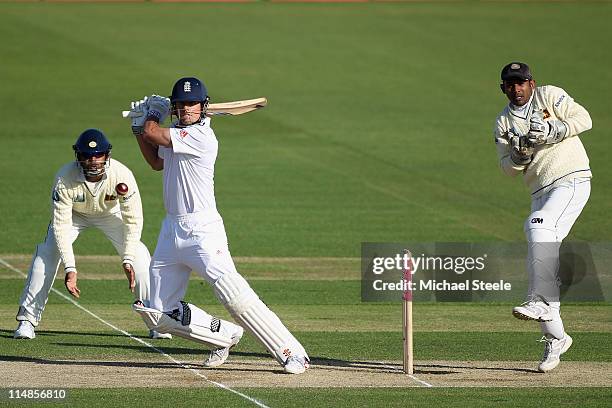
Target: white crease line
{"x": 426, "y": 384}
{"x": 196, "y": 372}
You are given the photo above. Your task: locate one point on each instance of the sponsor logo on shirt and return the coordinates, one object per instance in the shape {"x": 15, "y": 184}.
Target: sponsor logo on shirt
{"x": 125, "y": 198}
{"x": 183, "y": 133}
{"x": 559, "y": 101}
{"x": 110, "y": 197}
{"x": 55, "y": 195}
{"x": 79, "y": 198}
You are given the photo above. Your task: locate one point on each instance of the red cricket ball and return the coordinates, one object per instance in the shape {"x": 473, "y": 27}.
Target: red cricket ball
{"x": 121, "y": 189}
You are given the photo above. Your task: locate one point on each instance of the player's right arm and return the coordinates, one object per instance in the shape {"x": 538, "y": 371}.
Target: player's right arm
{"x": 61, "y": 224}
{"x": 150, "y": 152}
{"x": 155, "y": 134}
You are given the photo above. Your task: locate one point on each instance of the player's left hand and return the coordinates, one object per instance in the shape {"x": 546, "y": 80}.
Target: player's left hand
{"x": 70, "y": 281}
{"x": 131, "y": 276}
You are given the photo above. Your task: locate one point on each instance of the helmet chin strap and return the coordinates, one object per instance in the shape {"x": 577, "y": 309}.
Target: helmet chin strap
{"x": 175, "y": 111}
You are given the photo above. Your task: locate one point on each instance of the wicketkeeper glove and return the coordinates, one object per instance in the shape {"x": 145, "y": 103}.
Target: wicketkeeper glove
{"x": 138, "y": 114}
{"x": 159, "y": 107}
{"x": 545, "y": 131}
{"x": 521, "y": 151}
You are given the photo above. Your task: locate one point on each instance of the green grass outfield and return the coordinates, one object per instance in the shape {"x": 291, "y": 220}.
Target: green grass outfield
{"x": 379, "y": 128}
{"x": 474, "y": 349}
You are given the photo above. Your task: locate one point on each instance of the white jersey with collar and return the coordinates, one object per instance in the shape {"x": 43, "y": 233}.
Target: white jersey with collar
{"x": 71, "y": 194}
{"x": 552, "y": 164}
{"x": 189, "y": 170}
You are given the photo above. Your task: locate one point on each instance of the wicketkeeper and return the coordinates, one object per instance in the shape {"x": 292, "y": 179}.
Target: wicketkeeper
{"x": 537, "y": 136}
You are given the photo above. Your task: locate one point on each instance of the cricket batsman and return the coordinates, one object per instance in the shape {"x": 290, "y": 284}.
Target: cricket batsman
{"x": 93, "y": 191}
{"x": 193, "y": 237}
{"x": 537, "y": 136}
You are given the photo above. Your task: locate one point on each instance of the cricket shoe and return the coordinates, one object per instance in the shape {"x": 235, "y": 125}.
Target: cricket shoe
{"x": 25, "y": 330}
{"x": 218, "y": 356}
{"x": 533, "y": 310}
{"x": 553, "y": 348}
{"x": 153, "y": 334}
{"x": 296, "y": 364}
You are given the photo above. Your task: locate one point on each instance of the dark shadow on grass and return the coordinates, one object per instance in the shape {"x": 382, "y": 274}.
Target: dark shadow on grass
{"x": 518, "y": 370}
{"x": 130, "y": 364}
{"x": 87, "y": 363}
{"x": 372, "y": 366}
{"x": 44, "y": 333}
{"x": 418, "y": 368}
{"x": 163, "y": 347}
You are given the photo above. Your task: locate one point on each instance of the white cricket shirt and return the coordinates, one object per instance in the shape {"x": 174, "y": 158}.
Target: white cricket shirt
{"x": 71, "y": 194}
{"x": 189, "y": 170}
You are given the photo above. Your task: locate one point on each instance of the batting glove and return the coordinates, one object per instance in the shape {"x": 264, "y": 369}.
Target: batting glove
{"x": 545, "y": 131}
{"x": 159, "y": 107}
{"x": 138, "y": 114}
{"x": 521, "y": 151}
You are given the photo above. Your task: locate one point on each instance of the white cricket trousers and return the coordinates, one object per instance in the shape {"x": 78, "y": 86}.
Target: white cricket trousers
{"x": 46, "y": 260}
{"x": 197, "y": 242}
{"x": 551, "y": 219}
{"x": 187, "y": 243}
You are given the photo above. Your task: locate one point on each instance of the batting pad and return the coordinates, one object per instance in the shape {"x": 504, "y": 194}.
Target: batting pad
{"x": 195, "y": 324}
{"x": 251, "y": 313}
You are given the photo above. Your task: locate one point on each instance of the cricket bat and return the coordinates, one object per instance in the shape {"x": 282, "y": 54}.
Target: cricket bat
{"x": 223, "y": 108}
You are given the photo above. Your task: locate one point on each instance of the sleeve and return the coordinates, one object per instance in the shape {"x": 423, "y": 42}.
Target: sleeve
{"x": 502, "y": 144}
{"x": 569, "y": 111}
{"x": 161, "y": 151}
{"x": 131, "y": 213}
{"x": 62, "y": 223}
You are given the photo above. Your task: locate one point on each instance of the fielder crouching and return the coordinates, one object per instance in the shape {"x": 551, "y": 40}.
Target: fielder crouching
{"x": 93, "y": 191}
{"x": 537, "y": 136}
{"x": 193, "y": 238}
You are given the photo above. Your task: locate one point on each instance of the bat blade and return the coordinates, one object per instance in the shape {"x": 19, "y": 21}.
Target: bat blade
{"x": 221, "y": 109}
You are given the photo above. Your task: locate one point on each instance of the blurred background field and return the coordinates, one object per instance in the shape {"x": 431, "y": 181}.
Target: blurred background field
{"x": 379, "y": 126}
